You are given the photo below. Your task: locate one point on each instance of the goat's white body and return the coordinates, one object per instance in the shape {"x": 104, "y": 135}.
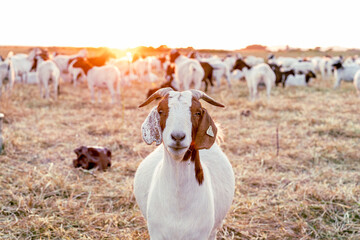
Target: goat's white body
{"x": 22, "y": 65}
{"x": 253, "y": 61}
{"x": 172, "y": 201}
{"x": 170, "y": 197}
{"x": 303, "y": 67}
{"x": 188, "y": 71}
{"x": 297, "y": 80}
{"x": 261, "y": 73}
{"x": 7, "y": 76}
{"x": 142, "y": 68}
{"x": 325, "y": 65}
{"x": 357, "y": 82}
{"x": 108, "y": 76}
{"x": 46, "y": 72}
{"x": 316, "y": 63}
{"x": 230, "y": 61}
{"x": 76, "y": 73}
{"x": 346, "y": 73}
{"x": 285, "y": 62}
{"x": 62, "y": 61}
{"x": 220, "y": 69}
{"x": 237, "y": 75}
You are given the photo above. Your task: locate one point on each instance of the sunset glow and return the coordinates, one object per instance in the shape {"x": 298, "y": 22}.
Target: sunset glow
{"x": 200, "y": 24}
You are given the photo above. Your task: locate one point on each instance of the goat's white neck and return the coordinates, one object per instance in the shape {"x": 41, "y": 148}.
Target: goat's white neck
{"x": 178, "y": 174}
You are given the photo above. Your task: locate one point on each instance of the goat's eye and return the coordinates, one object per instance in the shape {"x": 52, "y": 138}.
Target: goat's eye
{"x": 160, "y": 112}
{"x": 198, "y": 114}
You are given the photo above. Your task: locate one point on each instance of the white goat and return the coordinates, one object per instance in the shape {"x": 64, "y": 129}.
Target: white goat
{"x": 186, "y": 186}
{"x": 62, "y": 61}
{"x": 22, "y": 63}
{"x": 142, "y": 68}
{"x": 230, "y": 61}
{"x": 99, "y": 77}
{"x": 220, "y": 69}
{"x": 346, "y": 73}
{"x": 47, "y": 72}
{"x": 187, "y": 71}
{"x": 76, "y": 73}
{"x": 299, "y": 79}
{"x": 285, "y": 62}
{"x": 253, "y": 61}
{"x": 7, "y": 75}
{"x": 357, "y": 82}
{"x": 261, "y": 73}
{"x": 303, "y": 67}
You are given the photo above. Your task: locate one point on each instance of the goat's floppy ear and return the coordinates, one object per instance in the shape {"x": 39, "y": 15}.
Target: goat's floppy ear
{"x": 206, "y": 132}
{"x": 151, "y": 131}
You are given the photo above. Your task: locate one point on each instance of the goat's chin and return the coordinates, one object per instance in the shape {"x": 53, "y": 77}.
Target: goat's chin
{"x": 177, "y": 153}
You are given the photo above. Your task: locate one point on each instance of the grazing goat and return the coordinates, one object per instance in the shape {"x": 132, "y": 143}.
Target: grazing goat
{"x": 62, "y": 61}
{"x": 261, "y": 73}
{"x": 346, "y": 73}
{"x": 48, "y": 72}
{"x": 187, "y": 71}
{"x": 23, "y": 63}
{"x": 98, "y": 77}
{"x": 220, "y": 68}
{"x": 208, "y": 74}
{"x": 357, "y": 82}
{"x": 185, "y": 187}
{"x": 299, "y": 79}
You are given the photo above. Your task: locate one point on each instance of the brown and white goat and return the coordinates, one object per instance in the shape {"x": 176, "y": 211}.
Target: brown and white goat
{"x": 186, "y": 185}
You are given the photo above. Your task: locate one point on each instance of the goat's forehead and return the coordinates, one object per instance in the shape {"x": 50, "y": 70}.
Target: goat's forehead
{"x": 180, "y": 99}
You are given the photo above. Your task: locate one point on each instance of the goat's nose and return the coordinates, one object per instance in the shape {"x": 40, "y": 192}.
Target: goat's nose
{"x": 178, "y": 136}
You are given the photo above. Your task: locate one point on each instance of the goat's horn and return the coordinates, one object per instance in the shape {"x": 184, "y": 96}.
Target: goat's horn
{"x": 201, "y": 95}
{"x": 162, "y": 92}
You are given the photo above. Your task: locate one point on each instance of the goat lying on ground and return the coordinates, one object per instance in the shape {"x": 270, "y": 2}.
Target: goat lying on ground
{"x": 299, "y": 79}
{"x": 186, "y": 186}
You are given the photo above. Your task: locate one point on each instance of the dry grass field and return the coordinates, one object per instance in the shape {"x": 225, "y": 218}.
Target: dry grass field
{"x": 310, "y": 190}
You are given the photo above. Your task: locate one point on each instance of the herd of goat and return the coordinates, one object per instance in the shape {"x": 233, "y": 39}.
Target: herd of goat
{"x": 181, "y": 72}
{"x": 185, "y": 187}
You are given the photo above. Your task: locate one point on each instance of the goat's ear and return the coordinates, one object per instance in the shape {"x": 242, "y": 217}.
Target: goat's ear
{"x": 151, "y": 130}
{"x": 206, "y": 132}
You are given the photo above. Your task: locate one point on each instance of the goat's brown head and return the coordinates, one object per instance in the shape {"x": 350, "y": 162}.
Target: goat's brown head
{"x": 181, "y": 124}
{"x": 91, "y": 157}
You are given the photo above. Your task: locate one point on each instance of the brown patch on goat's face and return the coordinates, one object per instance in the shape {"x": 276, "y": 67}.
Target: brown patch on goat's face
{"x": 163, "y": 110}
{"x": 203, "y": 136}
{"x": 203, "y": 126}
